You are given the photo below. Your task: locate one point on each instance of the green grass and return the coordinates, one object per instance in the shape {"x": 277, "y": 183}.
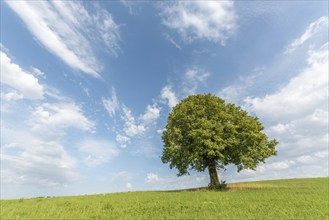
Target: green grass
{"x": 277, "y": 199}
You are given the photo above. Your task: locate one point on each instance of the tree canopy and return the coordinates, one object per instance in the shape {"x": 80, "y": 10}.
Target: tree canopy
{"x": 203, "y": 132}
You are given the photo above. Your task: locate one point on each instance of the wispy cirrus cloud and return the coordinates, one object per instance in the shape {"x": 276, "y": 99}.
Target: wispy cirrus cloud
{"x": 315, "y": 27}
{"x": 65, "y": 29}
{"x": 193, "y": 77}
{"x": 112, "y": 104}
{"x": 214, "y": 21}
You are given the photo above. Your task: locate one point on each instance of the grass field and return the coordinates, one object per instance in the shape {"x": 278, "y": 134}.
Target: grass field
{"x": 277, "y": 199}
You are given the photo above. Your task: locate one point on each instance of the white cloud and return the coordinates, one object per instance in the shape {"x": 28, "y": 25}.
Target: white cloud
{"x": 131, "y": 128}
{"x": 282, "y": 165}
{"x": 297, "y": 116}
{"x": 236, "y": 92}
{"x": 171, "y": 40}
{"x": 302, "y": 95}
{"x": 200, "y": 20}
{"x": 122, "y": 140}
{"x": 11, "y": 96}
{"x": 107, "y": 29}
{"x": 315, "y": 27}
{"x": 65, "y": 28}
{"x": 59, "y": 116}
{"x": 34, "y": 132}
{"x": 305, "y": 159}
{"x": 168, "y": 95}
{"x": 111, "y": 104}
{"x": 152, "y": 178}
{"x": 132, "y": 6}
{"x": 39, "y": 156}
{"x": 151, "y": 114}
{"x": 98, "y": 152}
{"x": 293, "y": 111}
{"x": 38, "y": 73}
{"x": 322, "y": 154}
{"x": 31, "y": 160}
{"x": 14, "y": 76}
{"x": 129, "y": 186}
{"x": 137, "y": 127}
{"x": 192, "y": 78}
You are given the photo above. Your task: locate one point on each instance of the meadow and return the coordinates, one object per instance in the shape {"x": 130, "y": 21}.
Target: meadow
{"x": 276, "y": 199}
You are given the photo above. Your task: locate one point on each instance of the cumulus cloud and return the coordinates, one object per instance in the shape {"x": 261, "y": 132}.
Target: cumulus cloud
{"x": 26, "y": 85}
{"x": 295, "y": 112}
{"x": 59, "y": 116}
{"x": 152, "y": 178}
{"x": 151, "y": 114}
{"x": 122, "y": 140}
{"x": 170, "y": 97}
{"x": 297, "y": 115}
{"x": 303, "y": 94}
{"x": 65, "y": 29}
{"x": 137, "y": 127}
{"x": 200, "y": 20}
{"x": 11, "y": 96}
{"x": 131, "y": 128}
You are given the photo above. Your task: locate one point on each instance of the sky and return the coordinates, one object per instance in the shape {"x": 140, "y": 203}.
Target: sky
{"x": 87, "y": 87}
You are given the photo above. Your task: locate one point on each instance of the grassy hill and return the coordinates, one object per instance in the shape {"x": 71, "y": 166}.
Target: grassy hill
{"x": 276, "y": 199}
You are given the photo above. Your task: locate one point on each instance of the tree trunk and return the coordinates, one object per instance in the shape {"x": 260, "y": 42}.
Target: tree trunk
{"x": 214, "y": 182}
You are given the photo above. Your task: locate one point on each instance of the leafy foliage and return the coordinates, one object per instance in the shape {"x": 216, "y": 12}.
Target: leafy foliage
{"x": 204, "y": 132}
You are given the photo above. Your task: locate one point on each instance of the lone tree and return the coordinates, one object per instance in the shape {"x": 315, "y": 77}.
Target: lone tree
{"x": 204, "y": 132}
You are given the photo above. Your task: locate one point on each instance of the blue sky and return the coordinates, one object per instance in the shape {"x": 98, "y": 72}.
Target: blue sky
{"x": 86, "y": 88}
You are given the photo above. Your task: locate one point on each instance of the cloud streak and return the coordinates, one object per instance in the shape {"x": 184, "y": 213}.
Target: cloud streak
{"x": 112, "y": 104}
{"x": 314, "y": 28}
{"x": 63, "y": 29}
